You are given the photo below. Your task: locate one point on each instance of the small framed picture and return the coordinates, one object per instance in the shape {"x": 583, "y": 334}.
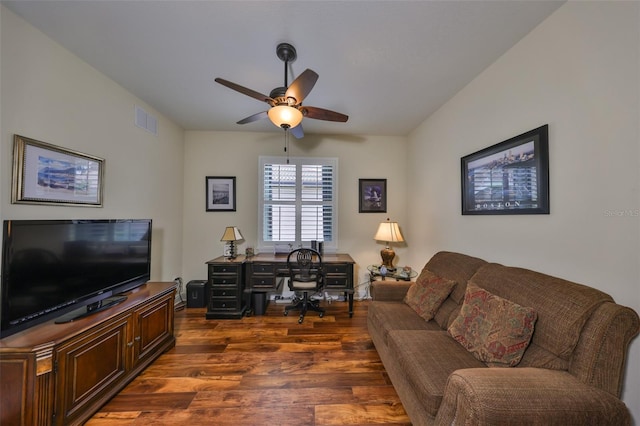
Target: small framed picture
{"x": 221, "y": 193}
{"x": 48, "y": 174}
{"x": 511, "y": 177}
{"x": 372, "y": 195}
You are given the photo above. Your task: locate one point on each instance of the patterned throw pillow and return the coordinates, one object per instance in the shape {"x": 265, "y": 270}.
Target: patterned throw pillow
{"x": 495, "y": 330}
{"x": 427, "y": 294}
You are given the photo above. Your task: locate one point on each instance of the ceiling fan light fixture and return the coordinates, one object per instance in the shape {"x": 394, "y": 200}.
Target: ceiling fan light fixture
{"x": 285, "y": 116}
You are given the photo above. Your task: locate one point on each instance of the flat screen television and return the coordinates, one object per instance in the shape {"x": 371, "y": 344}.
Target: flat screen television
{"x": 66, "y": 269}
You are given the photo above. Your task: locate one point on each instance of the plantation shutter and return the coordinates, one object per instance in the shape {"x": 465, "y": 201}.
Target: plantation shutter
{"x": 298, "y": 202}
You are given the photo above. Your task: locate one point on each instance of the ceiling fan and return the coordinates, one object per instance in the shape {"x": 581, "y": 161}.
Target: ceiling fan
{"x": 286, "y": 102}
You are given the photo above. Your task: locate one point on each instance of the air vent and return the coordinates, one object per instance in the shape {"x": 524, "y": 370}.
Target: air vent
{"x": 146, "y": 121}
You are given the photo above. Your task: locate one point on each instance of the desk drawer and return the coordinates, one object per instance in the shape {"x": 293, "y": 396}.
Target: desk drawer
{"x": 337, "y": 281}
{"x": 262, "y": 268}
{"x": 224, "y": 269}
{"x": 267, "y": 281}
{"x": 229, "y": 304}
{"x": 224, "y": 292}
{"x": 338, "y": 268}
{"x": 224, "y": 280}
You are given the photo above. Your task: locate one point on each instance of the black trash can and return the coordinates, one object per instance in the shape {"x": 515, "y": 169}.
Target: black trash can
{"x": 259, "y": 303}
{"x": 195, "y": 294}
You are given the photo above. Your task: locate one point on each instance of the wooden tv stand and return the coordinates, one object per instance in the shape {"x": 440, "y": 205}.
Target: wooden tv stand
{"x": 61, "y": 374}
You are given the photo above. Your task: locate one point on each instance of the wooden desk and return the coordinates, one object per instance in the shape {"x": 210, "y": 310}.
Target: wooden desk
{"x": 264, "y": 273}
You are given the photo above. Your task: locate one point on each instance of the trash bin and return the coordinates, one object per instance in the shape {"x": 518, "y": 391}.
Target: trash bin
{"x": 259, "y": 303}
{"x": 195, "y": 294}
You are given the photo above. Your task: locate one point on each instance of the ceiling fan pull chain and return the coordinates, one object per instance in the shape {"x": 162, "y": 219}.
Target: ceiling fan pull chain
{"x": 286, "y": 143}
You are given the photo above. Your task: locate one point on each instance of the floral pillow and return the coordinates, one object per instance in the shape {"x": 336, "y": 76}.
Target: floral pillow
{"x": 427, "y": 294}
{"x": 495, "y": 330}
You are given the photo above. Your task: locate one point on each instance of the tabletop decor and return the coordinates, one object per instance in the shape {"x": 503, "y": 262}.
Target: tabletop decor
{"x": 372, "y": 195}
{"x": 48, "y": 174}
{"x": 221, "y": 193}
{"x": 511, "y": 177}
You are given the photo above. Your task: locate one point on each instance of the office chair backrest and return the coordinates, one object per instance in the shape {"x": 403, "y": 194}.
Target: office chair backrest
{"x": 305, "y": 265}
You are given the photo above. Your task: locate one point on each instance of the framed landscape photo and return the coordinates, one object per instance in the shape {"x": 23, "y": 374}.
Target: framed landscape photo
{"x": 221, "y": 193}
{"x": 48, "y": 174}
{"x": 372, "y": 195}
{"x": 511, "y": 177}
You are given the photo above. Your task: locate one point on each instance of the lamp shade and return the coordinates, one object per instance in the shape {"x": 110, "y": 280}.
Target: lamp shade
{"x": 389, "y": 232}
{"x": 285, "y": 116}
{"x": 231, "y": 233}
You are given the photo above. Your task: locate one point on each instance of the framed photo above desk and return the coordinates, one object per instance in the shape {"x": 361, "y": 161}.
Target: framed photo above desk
{"x": 221, "y": 193}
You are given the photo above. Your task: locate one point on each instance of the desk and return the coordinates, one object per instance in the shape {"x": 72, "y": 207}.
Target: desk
{"x": 264, "y": 273}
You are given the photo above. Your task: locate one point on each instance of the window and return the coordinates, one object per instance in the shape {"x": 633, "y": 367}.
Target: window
{"x": 298, "y": 201}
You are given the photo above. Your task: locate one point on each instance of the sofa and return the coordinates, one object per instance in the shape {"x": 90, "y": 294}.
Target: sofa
{"x": 456, "y": 365}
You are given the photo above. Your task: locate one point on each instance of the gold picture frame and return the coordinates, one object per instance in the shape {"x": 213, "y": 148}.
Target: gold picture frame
{"x": 48, "y": 174}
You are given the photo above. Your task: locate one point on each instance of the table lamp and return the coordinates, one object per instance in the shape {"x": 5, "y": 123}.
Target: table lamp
{"x": 388, "y": 232}
{"x": 230, "y": 236}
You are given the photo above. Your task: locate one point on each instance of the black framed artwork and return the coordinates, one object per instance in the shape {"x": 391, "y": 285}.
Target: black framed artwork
{"x": 372, "y": 195}
{"x": 510, "y": 177}
{"x": 221, "y": 193}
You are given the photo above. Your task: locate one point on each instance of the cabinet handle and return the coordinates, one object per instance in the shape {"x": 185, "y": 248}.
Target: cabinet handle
{"x": 130, "y": 344}
{"x": 137, "y": 338}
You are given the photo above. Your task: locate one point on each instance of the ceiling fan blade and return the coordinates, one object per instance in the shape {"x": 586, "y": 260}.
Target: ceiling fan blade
{"x": 255, "y": 117}
{"x": 245, "y": 91}
{"x": 302, "y": 85}
{"x": 323, "y": 114}
{"x": 297, "y": 131}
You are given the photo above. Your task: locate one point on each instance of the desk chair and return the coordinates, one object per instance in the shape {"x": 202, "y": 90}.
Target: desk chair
{"x": 305, "y": 275}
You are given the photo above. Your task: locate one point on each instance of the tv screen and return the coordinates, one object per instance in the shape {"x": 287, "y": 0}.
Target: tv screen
{"x": 52, "y": 267}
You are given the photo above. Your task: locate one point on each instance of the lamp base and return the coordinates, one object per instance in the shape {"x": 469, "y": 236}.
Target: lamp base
{"x": 387, "y": 255}
{"x": 230, "y": 250}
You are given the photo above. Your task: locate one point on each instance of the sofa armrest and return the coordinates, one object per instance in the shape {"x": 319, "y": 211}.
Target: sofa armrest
{"x": 532, "y": 396}
{"x": 389, "y": 291}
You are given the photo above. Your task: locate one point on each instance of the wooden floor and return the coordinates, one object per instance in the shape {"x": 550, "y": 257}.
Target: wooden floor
{"x": 263, "y": 370}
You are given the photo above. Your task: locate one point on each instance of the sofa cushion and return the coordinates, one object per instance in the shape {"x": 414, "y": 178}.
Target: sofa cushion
{"x": 495, "y": 330}
{"x": 457, "y": 267}
{"x": 427, "y": 294}
{"x": 388, "y": 316}
{"x": 563, "y": 307}
{"x": 427, "y": 358}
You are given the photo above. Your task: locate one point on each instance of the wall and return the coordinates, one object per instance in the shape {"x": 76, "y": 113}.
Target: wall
{"x": 50, "y": 95}
{"x": 577, "y": 71}
{"x": 236, "y": 154}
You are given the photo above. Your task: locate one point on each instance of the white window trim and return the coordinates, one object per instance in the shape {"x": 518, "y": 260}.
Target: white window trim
{"x": 268, "y": 246}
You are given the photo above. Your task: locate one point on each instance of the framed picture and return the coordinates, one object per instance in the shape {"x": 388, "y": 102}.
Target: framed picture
{"x": 221, "y": 194}
{"x": 372, "y": 195}
{"x": 511, "y": 177}
{"x": 48, "y": 174}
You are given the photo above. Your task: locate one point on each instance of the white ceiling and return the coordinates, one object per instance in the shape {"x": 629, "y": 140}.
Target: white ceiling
{"x": 386, "y": 64}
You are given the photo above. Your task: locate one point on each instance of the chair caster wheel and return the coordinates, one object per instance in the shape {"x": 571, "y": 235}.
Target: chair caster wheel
{"x": 300, "y": 320}
{"x": 321, "y": 314}
{"x": 286, "y": 313}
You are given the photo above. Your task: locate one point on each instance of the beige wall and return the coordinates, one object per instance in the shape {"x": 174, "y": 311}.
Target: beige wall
{"x": 50, "y": 95}
{"x": 579, "y": 72}
{"x": 236, "y": 154}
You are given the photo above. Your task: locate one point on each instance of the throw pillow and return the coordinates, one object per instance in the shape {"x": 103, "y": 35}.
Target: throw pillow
{"x": 495, "y": 330}
{"x": 427, "y": 294}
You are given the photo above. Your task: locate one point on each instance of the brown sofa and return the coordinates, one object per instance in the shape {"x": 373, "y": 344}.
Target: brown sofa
{"x": 571, "y": 373}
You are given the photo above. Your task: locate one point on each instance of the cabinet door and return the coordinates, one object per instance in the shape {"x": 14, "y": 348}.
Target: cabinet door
{"x": 89, "y": 366}
{"x": 153, "y": 327}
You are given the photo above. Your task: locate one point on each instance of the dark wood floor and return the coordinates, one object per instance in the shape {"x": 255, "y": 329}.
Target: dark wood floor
{"x": 263, "y": 370}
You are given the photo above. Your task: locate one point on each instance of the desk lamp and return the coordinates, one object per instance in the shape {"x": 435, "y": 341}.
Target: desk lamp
{"x": 388, "y": 232}
{"x": 230, "y": 236}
